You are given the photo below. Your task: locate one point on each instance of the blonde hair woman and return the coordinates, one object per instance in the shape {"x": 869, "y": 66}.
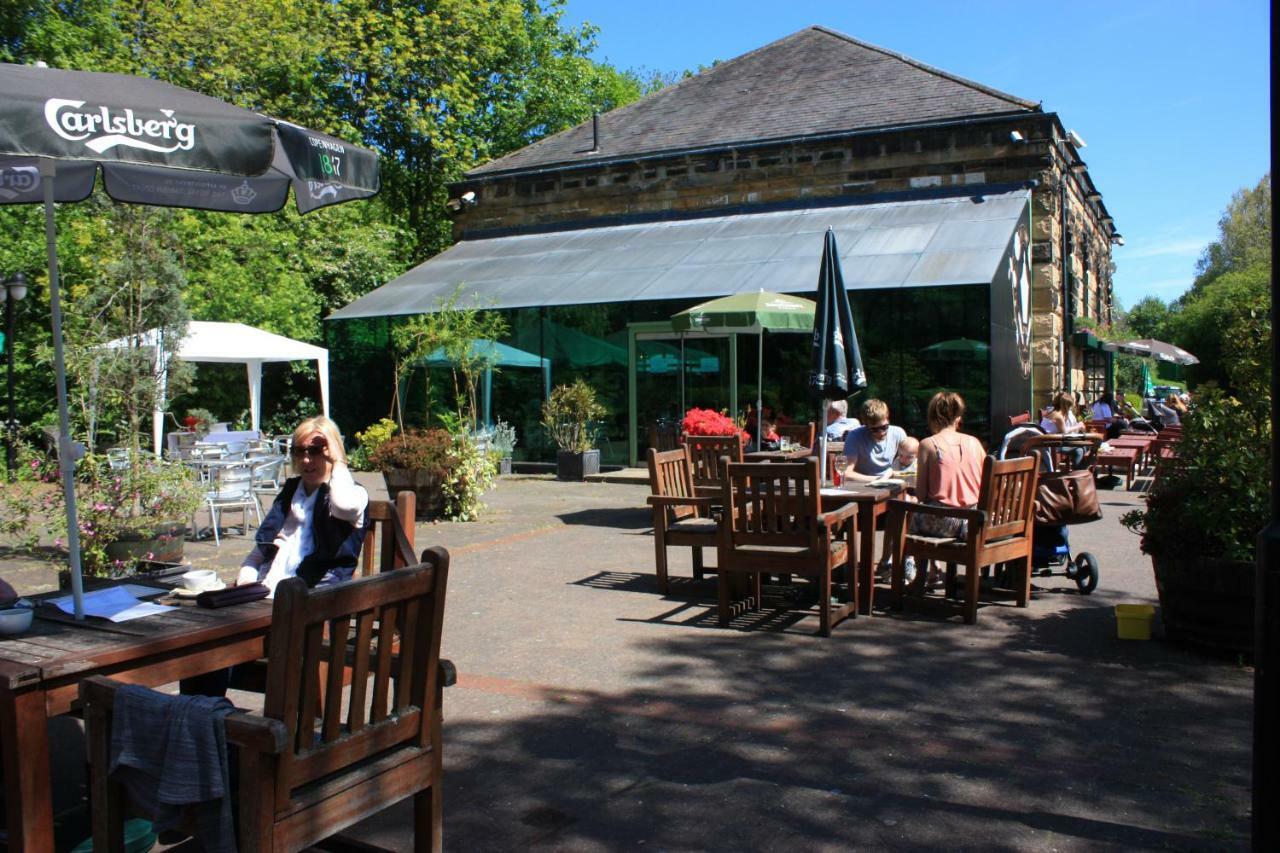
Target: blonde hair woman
{"x": 317, "y": 524}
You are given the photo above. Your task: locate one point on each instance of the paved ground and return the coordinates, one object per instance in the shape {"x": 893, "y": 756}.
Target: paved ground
{"x": 594, "y": 714}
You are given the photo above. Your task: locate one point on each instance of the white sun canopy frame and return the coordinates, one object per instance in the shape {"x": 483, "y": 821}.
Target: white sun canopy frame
{"x": 235, "y": 343}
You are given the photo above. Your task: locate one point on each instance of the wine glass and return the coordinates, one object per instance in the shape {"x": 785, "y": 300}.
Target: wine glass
{"x": 837, "y": 476}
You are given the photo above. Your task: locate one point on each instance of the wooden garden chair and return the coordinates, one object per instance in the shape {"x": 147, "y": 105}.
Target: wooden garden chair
{"x": 304, "y": 778}
{"x": 774, "y": 524}
{"x": 801, "y": 435}
{"x": 705, "y": 452}
{"x": 999, "y": 532}
{"x": 680, "y": 516}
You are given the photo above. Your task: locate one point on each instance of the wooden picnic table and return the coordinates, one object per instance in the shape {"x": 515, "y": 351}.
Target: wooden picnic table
{"x": 40, "y": 671}
{"x": 872, "y": 502}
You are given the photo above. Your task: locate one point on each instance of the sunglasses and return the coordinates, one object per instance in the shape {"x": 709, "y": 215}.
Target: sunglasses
{"x": 314, "y": 449}
{"x": 881, "y": 428}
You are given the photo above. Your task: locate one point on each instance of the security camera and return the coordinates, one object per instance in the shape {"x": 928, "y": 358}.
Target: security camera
{"x": 453, "y": 205}
{"x": 469, "y": 197}
{"x": 1076, "y": 140}
{"x": 1016, "y": 136}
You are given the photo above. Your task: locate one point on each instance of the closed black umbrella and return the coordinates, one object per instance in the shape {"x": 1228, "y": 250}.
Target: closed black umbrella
{"x": 836, "y": 360}
{"x": 154, "y": 144}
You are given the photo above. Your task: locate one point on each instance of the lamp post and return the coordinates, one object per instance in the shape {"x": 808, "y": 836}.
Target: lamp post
{"x": 14, "y": 290}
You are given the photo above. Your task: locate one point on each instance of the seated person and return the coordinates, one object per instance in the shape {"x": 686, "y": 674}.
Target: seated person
{"x": 1165, "y": 414}
{"x": 769, "y": 438}
{"x": 317, "y": 524}
{"x": 7, "y": 593}
{"x": 1061, "y": 421}
{"x": 950, "y": 467}
{"x": 838, "y": 421}
{"x": 1104, "y": 408}
{"x": 314, "y": 530}
{"x": 904, "y": 463}
{"x": 869, "y": 449}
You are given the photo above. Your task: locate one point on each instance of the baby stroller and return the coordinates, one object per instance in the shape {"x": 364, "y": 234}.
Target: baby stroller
{"x": 1050, "y": 546}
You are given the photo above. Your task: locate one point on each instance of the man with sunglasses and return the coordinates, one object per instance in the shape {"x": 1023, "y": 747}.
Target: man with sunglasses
{"x": 870, "y": 448}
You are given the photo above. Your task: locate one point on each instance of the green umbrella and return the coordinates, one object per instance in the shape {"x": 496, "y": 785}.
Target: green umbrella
{"x": 750, "y": 313}
{"x": 1148, "y": 387}
{"x": 957, "y": 348}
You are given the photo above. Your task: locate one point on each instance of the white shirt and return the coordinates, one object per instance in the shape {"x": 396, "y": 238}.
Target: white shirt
{"x": 1102, "y": 412}
{"x": 347, "y": 501}
{"x": 837, "y": 428}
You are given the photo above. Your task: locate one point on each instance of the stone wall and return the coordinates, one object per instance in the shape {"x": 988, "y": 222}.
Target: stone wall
{"x": 857, "y": 165}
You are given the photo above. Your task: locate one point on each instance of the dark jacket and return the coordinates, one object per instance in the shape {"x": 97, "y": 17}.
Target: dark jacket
{"x": 335, "y": 543}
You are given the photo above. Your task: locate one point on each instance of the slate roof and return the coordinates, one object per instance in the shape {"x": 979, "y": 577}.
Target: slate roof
{"x": 815, "y": 81}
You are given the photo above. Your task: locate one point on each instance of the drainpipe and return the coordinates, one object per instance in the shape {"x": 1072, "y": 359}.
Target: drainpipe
{"x": 1066, "y": 280}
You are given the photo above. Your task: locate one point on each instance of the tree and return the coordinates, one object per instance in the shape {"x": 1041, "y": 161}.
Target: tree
{"x": 1205, "y": 323}
{"x": 1149, "y": 318}
{"x": 1244, "y": 237}
{"x": 137, "y": 292}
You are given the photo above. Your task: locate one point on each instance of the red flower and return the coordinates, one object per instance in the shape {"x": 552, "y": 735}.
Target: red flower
{"x": 708, "y": 422}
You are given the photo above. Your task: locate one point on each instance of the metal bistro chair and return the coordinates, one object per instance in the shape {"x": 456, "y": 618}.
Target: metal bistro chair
{"x": 231, "y": 487}
{"x": 268, "y": 478}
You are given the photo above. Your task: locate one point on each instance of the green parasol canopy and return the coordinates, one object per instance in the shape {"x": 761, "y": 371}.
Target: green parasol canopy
{"x": 749, "y": 312}
{"x": 957, "y": 348}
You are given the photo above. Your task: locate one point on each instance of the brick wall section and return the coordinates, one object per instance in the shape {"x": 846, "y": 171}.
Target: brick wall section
{"x": 841, "y": 168}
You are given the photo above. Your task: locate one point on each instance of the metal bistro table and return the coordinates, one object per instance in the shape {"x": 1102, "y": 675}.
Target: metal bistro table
{"x": 871, "y": 501}
{"x": 40, "y": 671}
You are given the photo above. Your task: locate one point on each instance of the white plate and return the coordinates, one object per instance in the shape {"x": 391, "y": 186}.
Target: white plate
{"x": 183, "y": 592}
{"x": 892, "y": 481}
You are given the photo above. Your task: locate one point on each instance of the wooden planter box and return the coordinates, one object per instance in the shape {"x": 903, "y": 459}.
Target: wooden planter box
{"x": 1207, "y": 603}
{"x": 574, "y": 466}
{"x": 425, "y": 486}
{"x": 164, "y": 544}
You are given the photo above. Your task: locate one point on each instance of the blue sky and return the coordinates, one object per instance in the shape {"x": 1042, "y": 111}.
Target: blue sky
{"x": 1172, "y": 98}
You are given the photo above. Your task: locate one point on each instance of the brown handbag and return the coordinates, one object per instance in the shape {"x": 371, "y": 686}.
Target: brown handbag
{"x": 1067, "y": 497}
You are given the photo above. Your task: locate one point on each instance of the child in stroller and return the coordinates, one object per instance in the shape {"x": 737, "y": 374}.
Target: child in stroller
{"x": 1051, "y": 547}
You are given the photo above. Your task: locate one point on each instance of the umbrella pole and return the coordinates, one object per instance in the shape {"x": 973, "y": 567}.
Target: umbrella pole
{"x": 682, "y": 408}
{"x": 66, "y": 455}
{"x": 822, "y": 442}
{"x": 760, "y": 392}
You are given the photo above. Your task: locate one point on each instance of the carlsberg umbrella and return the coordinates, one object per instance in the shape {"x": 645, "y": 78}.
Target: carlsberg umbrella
{"x": 837, "y": 362}
{"x": 154, "y": 144}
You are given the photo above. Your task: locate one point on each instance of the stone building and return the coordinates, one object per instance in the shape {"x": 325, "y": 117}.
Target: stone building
{"x": 896, "y": 156}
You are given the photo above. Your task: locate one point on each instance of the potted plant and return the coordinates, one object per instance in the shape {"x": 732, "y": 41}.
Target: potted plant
{"x": 502, "y": 445}
{"x": 1204, "y": 511}
{"x": 416, "y": 461}
{"x": 710, "y": 422}
{"x": 127, "y": 516}
{"x": 569, "y": 415}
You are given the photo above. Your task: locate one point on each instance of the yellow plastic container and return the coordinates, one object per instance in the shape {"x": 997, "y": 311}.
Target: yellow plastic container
{"x": 1133, "y": 621}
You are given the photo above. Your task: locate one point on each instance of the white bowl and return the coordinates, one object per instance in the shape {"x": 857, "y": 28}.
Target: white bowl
{"x": 199, "y": 579}
{"x": 15, "y": 620}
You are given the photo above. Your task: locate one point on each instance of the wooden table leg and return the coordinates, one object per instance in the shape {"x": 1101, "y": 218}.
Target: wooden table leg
{"x": 868, "y": 512}
{"x": 27, "y": 790}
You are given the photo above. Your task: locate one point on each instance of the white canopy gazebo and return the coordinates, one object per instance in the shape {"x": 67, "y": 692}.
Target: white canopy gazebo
{"x": 234, "y": 343}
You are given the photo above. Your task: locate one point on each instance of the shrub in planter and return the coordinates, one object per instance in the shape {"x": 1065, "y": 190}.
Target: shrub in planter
{"x": 569, "y": 415}
{"x": 447, "y": 473}
{"x": 1204, "y": 512}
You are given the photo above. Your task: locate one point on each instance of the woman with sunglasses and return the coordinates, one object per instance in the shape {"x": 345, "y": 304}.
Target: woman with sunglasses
{"x": 318, "y": 522}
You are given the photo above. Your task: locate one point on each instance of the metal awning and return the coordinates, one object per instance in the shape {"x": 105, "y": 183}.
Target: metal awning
{"x": 925, "y": 242}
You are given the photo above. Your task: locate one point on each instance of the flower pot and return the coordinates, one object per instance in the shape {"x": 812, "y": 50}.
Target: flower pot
{"x": 425, "y": 485}
{"x": 1206, "y": 602}
{"x": 575, "y": 466}
{"x": 163, "y": 543}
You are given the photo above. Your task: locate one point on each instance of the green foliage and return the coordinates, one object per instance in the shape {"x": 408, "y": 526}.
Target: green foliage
{"x": 463, "y": 469}
{"x": 1244, "y": 239}
{"x": 471, "y": 472}
{"x": 1203, "y": 324}
{"x": 569, "y": 415}
{"x": 504, "y": 439}
{"x": 1215, "y": 499}
{"x": 451, "y": 332}
{"x": 369, "y": 441}
{"x": 1148, "y": 318}
{"x": 111, "y": 503}
{"x": 418, "y": 450}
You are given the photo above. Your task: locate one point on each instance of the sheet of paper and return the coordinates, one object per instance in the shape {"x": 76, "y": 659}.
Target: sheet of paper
{"x": 140, "y": 591}
{"x": 834, "y": 492}
{"x": 113, "y": 603}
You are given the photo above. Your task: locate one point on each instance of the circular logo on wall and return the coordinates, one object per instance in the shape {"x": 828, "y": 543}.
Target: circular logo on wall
{"x": 1020, "y": 284}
